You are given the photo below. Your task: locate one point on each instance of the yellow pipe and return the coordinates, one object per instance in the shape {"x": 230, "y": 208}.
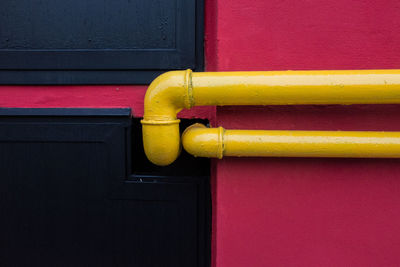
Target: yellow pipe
{"x": 218, "y": 142}
{"x": 165, "y": 97}
{"x": 173, "y": 91}
{"x": 296, "y": 87}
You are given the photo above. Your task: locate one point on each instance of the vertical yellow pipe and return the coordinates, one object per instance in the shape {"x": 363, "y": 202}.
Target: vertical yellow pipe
{"x": 165, "y": 97}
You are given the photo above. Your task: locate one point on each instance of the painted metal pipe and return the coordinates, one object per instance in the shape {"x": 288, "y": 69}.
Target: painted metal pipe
{"x": 218, "y": 142}
{"x": 173, "y": 91}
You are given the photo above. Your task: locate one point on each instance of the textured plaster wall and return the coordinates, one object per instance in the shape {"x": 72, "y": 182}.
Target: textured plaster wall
{"x": 305, "y": 212}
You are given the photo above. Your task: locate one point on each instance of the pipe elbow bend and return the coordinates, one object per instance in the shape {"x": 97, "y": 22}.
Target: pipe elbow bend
{"x": 201, "y": 141}
{"x": 166, "y": 96}
{"x": 161, "y": 142}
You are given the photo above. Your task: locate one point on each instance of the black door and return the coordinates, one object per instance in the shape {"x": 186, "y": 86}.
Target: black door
{"x": 75, "y": 190}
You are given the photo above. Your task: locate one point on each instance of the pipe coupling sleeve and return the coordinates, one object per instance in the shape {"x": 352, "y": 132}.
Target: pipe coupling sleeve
{"x": 221, "y": 145}
{"x": 189, "y": 100}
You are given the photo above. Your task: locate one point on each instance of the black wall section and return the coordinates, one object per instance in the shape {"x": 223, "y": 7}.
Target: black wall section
{"x": 98, "y": 42}
{"x": 68, "y": 198}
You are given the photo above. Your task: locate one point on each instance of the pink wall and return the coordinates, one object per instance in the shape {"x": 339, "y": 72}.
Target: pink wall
{"x": 306, "y": 212}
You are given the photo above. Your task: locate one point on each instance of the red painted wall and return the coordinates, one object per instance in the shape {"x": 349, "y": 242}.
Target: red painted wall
{"x": 108, "y": 96}
{"x": 306, "y": 212}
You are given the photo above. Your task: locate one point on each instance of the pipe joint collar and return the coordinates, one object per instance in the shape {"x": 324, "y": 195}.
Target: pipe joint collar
{"x": 159, "y": 122}
{"x": 221, "y": 145}
{"x": 189, "y": 100}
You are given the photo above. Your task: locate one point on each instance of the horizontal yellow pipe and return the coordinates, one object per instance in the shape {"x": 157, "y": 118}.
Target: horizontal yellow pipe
{"x": 296, "y": 87}
{"x": 218, "y": 142}
{"x": 173, "y": 91}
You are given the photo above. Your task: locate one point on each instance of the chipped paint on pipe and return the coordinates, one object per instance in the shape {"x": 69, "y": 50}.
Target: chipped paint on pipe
{"x": 217, "y": 142}
{"x": 173, "y": 91}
